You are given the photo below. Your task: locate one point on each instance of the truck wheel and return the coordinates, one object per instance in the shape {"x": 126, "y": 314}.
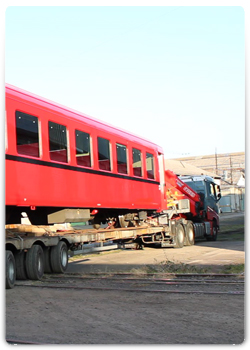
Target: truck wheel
{"x": 179, "y": 236}
{"x": 59, "y": 257}
{"x": 10, "y": 269}
{"x": 21, "y": 273}
{"x": 215, "y": 232}
{"x": 190, "y": 234}
{"x": 213, "y": 237}
{"x": 35, "y": 262}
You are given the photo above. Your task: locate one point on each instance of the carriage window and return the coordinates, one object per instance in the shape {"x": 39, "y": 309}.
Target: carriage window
{"x": 58, "y": 142}
{"x": 121, "y": 152}
{"x": 150, "y": 165}
{"x": 137, "y": 163}
{"x": 83, "y": 148}
{"x": 103, "y": 154}
{"x": 27, "y": 137}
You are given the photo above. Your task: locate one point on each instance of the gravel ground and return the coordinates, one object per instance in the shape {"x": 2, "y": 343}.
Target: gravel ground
{"x": 76, "y": 309}
{"x": 82, "y": 316}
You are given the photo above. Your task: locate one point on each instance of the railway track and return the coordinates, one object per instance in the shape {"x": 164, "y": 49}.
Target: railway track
{"x": 99, "y": 297}
{"x": 172, "y": 283}
{"x": 22, "y": 342}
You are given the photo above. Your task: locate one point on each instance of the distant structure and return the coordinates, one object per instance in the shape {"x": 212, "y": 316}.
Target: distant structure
{"x": 180, "y": 167}
{"x": 230, "y": 169}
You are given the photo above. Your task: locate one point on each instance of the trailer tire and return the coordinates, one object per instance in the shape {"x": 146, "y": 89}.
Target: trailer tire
{"x": 179, "y": 236}
{"x": 10, "y": 270}
{"x": 59, "y": 257}
{"x": 190, "y": 235}
{"x": 35, "y": 262}
{"x": 21, "y": 273}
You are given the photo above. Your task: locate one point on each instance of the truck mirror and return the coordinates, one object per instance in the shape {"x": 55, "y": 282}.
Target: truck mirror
{"x": 218, "y": 193}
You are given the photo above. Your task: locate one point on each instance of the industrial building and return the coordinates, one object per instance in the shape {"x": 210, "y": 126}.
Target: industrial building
{"x": 228, "y": 168}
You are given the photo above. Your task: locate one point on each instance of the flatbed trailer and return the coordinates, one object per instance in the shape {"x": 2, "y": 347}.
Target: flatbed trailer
{"x": 32, "y": 250}
{"x": 23, "y": 237}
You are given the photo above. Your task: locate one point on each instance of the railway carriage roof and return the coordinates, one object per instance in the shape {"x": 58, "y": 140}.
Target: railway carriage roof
{"x": 78, "y": 116}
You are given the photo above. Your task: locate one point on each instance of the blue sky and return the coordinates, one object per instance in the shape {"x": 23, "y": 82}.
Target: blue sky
{"x": 175, "y": 75}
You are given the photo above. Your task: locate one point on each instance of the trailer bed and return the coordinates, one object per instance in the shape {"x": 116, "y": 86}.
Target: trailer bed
{"x": 24, "y": 236}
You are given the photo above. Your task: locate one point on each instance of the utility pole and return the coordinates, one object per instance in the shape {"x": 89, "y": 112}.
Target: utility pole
{"x": 216, "y": 162}
{"x": 231, "y": 170}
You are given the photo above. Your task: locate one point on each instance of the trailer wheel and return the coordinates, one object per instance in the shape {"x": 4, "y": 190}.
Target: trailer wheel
{"x": 179, "y": 236}
{"x": 59, "y": 257}
{"x": 21, "y": 273}
{"x": 190, "y": 234}
{"x": 35, "y": 262}
{"x": 10, "y": 269}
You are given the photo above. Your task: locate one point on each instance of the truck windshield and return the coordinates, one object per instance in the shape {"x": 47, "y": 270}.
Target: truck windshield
{"x": 197, "y": 186}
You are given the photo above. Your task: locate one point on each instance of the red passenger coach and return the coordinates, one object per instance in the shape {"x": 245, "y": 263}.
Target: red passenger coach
{"x": 62, "y": 165}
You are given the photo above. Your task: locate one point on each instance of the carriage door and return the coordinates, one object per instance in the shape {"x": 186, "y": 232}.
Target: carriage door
{"x": 162, "y": 181}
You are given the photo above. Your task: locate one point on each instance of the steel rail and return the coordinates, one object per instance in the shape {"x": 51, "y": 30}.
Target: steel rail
{"x": 150, "y": 281}
{"x": 158, "y": 273}
{"x": 23, "y": 342}
{"x": 138, "y": 290}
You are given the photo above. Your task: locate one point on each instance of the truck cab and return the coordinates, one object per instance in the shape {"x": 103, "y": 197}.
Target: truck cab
{"x": 206, "y": 188}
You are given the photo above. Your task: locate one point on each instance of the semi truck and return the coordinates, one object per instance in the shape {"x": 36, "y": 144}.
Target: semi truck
{"x": 192, "y": 207}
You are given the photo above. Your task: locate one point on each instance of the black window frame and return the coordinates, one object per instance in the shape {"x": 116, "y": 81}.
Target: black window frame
{"x": 60, "y": 142}
{"x": 27, "y": 134}
{"x": 105, "y": 155}
{"x": 83, "y": 158}
{"x": 137, "y": 171}
{"x": 150, "y": 172}
{"x": 120, "y": 160}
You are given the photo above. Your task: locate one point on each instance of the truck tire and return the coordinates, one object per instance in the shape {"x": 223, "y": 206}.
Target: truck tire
{"x": 215, "y": 232}
{"x": 59, "y": 257}
{"x": 10, "y": 270}
{"x": 179, "y": 236}
{"x": 190, "y": 234}
{"x": 35, "y": 262}
{"x": 21, "y": 273}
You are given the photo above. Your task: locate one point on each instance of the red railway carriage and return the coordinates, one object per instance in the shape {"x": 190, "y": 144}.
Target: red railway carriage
{"x": 57, "y": 158}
